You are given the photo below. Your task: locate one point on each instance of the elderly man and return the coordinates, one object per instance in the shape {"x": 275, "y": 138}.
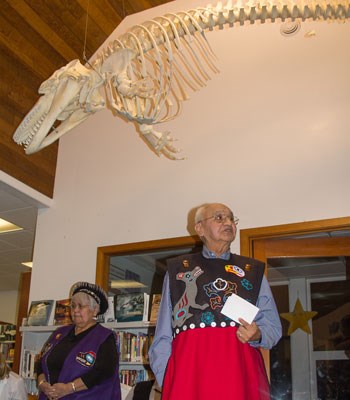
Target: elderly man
{"x": 198, "y": 353}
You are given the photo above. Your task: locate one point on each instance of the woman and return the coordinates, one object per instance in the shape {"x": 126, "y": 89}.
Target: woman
{"x": 12, "y": 386}
{"x": 80, "y": 361}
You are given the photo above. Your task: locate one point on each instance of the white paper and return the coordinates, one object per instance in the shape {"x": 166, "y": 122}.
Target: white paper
{"x": 236, "y": 307}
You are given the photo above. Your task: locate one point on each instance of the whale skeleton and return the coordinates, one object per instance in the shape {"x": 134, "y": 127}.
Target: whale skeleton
{"x": 145, "y": 74}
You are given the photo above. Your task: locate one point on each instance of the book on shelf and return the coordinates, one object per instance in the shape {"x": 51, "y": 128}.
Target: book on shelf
{"x": 132, "y": 376}
{"x": 145, "y": 307}
{"x": 7, "y": 332}
{"x": 40, "y": 312}
{"x": 133, "y": 347}
{"x": 10, "y": 355}
{"x": 156, "y": 298}
{"x": 8, "y": 350}
{"x": 30, "y": 357}
{"x": 62, "y": 312}
{"x": 109, "y": 315}
{"x": 131, "y": 307}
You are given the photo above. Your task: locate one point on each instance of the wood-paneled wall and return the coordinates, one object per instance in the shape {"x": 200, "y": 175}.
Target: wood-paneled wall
{"x": 37, "y": 37}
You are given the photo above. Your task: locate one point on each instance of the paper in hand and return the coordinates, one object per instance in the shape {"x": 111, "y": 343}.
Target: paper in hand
{"x": 236, "y": 307}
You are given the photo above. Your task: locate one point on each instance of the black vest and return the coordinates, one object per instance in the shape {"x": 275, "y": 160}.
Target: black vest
{"x": 200, "y": 286}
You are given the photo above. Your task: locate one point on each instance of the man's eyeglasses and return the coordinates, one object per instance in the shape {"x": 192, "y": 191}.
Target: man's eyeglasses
{"x": 220, "y": 218}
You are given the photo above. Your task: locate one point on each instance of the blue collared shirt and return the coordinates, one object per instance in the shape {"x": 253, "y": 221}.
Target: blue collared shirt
{"x": 267, "y": 320}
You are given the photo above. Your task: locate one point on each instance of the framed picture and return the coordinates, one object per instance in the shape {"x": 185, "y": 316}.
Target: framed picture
{"x": 40, "y": 312}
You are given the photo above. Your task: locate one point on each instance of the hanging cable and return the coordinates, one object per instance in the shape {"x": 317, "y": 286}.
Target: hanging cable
{"x": 86, "y": 29}
{"x": 124, "y": 9}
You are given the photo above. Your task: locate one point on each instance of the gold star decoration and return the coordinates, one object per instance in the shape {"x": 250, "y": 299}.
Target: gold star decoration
{"x": 298, "y": 318}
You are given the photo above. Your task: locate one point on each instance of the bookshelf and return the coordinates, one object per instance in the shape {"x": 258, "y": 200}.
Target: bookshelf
{"x": 132, "y": 368}
{"x": 8, "y": 341}
{"x": 133, "y": 339}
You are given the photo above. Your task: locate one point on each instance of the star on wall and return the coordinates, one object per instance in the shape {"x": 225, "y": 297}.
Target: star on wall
{"x": 298, "y": 318}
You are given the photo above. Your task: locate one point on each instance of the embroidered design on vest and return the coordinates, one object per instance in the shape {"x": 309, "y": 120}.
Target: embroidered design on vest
{"x": 188, "y": 299}
{"x": 246, "y": 284}
{"x": 234, "y": 269}
{"x": 207, "y": 318}
{"x": 218, "y": 291}
{"x": 86, "y": 359}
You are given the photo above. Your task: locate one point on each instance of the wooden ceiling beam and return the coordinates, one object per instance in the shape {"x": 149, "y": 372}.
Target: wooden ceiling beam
{"x": 36, "y": 171}
{"x": 10, "y": 114}
{"x": 44, "y": 30}
{"x": 104, "y": 14}
{"x": 61, "y": 22}
{"x": 16, "y": 95}
{"x": 24, "y": 50}
{"x": 41, "y": 159}
{"x": 73, "y": 19}
{"x": 23, "y": 74}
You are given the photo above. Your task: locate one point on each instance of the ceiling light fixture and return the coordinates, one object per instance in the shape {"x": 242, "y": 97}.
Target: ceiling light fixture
{"x": 126, "y": 285}
{"x": 6, "y": 226}
{"x": 28, "y": 264}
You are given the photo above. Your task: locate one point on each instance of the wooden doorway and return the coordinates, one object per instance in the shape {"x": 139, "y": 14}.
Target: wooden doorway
{"x": 296, "y": 242}
{"x": 250, "y": 238}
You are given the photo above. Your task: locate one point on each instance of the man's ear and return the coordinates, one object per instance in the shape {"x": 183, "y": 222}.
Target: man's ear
{"x": 199, "y": 229}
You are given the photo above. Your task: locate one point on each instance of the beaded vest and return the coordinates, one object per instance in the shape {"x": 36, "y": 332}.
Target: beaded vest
{"x": 200, "y": 286}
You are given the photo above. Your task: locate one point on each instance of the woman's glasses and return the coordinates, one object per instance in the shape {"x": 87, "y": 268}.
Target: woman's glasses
{"x": 73, "y": 306}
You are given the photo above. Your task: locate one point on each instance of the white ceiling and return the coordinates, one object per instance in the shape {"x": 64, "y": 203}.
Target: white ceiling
{"x": 15, "y": 247}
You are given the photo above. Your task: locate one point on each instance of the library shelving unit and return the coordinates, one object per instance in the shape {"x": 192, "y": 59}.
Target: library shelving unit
{"x": 7, "y": 342}
{"x": 133, "y": 339}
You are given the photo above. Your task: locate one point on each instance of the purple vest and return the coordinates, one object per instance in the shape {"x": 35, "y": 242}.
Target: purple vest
{"x": 79, "y": 360}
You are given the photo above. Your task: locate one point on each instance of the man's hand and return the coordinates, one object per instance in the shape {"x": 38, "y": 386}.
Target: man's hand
{"x": 248, "y": 332}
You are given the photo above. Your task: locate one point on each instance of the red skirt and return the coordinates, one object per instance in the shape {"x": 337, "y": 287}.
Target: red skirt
{"x": 211, "y": 364}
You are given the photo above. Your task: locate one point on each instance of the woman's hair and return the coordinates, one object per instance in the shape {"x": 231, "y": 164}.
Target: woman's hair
{"x": 90, "y": 300}
{"x": 4, "y": 368}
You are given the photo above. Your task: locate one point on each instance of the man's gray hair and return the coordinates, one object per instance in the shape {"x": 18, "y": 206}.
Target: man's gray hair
{"x": 198, "y": 216}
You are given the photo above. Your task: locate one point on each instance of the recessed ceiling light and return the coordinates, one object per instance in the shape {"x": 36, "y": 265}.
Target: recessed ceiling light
{"x": 126, "y": 285}
{"x": 28, "y": 264}
{"x": 6, "y": 226}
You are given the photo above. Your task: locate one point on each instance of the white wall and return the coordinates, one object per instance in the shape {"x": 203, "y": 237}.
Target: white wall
{"x": 8, "y": 306}
{"x": 268, "y": 136}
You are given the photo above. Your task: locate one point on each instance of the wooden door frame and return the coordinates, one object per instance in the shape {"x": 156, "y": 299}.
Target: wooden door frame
{"x": 249, "y": 237}
{"x": 105, "y": 253}
{"x": 253, "y": 243}
{"x": 23, "y": 302}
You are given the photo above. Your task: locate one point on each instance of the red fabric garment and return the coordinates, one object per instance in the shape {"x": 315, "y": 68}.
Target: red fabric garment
{"x": 211, "y": 364}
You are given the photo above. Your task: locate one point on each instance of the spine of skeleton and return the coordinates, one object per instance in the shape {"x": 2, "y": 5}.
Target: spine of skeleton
{"x": 147, "y": 36}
